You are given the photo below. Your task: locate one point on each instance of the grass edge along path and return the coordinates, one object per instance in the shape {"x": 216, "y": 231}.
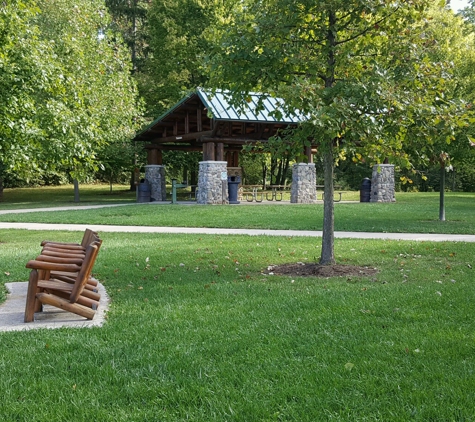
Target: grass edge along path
{"x": 413, "y": 213}
{"x": 196, "y": 331}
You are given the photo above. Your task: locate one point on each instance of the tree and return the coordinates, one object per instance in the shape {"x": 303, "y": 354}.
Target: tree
{"x": 357, "y": 69}
{"x": 67, "y": 84}
{"x": 129, "y": 18}
{"x": 27, "y": 76}
{"x": 453, "y": 46}
{"x": 178, "y": 45}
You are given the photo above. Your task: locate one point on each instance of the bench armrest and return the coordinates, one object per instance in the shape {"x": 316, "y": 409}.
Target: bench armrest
{"x": 52, "y": 266}
{"x": 60, "y": 260}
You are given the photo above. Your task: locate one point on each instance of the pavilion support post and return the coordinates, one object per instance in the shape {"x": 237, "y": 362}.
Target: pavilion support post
{"x": 229, "y": 155}
{"x": 304, "y": 184}
{"x": 236, "y": 159}
{"x": 209, "y": 151}
{"x": 154, "y": 156}
{"x": 232, "y": 158}
{"x": 155, "y": 176}
{"x": 219, "y": 151}
{"x": 309, "y": 155}
{"x": 212, "y": 183}
{"x": 383, "y": 184}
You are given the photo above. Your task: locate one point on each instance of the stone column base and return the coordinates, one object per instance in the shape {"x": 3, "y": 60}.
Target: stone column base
{"x": 155, "y": 176}
{"x": 304, "y": 184}
{"x": 212, "y": 183}
{"x": 383, "y": 184}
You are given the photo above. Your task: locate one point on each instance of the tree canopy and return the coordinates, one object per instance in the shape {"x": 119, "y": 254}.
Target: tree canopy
{"x": 65, "y": 80}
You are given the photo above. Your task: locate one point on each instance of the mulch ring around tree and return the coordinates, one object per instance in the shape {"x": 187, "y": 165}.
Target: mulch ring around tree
{"x": 301, "y": 269}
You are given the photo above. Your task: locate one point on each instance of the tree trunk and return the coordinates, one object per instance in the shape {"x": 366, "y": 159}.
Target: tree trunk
{"x": 264, "y": 175}
{"x": 1, "y": 181}
{"x": 134, "y": 37}
{"x": 76, "y": 190}
{"x": 328, "y": 238}
{"x": 442, "y": 193}
{"x": 328, "y": 255}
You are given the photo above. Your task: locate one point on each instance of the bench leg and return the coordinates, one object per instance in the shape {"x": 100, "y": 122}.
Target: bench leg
{"x": 32, "y": 304}
{"x": 75, "y": 308}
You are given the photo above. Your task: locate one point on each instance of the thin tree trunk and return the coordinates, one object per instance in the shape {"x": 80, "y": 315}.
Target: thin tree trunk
{"x": 134, "y": 37}
{"x": 442, "y": 193}
{"x": 328, "y": 256}
{"x": 76, "y": 190}
{"x": 1, "y": 181}
{"x": 328, "y": 238}
{"x": 264, "y": 175}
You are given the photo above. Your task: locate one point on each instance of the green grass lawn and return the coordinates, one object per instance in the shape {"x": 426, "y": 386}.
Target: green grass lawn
{"x": 196, "y": 332}
{"x": 58, "y": 196}
{"x": 413, "y": 212}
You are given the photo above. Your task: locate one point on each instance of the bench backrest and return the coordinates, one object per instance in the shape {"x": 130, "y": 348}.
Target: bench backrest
{"x": 86, "y": 268}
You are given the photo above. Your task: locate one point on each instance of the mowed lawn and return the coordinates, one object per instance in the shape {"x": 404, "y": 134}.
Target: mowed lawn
{"x": 412, "y": 212}
{"x": 197, "y": 331}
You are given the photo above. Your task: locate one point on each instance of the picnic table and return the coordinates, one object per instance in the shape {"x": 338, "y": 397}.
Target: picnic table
{"x": 276, "y": 190}
{"x": 252, "y": 193}
{"x": 323, "y": 193}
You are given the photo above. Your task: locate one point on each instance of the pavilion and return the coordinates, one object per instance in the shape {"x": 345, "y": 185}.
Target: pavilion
{"x": 206, "y": 121}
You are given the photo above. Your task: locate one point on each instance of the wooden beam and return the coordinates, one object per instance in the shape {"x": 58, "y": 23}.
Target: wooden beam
{"x": 182, "y": 138}
{"x": 226, "y": 140}
{"x": 188, "y": 148}
{"x": 199, "y": 117}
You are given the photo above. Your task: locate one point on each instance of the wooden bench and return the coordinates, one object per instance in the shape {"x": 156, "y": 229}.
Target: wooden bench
{"x": 61, "y": 276}
{"x": 63, "y": 252}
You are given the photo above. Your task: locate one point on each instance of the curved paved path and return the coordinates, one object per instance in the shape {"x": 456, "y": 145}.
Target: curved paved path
{"x": 432, "y": 237}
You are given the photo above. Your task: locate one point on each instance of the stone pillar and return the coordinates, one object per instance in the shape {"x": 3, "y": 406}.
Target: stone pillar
{"x": 383, "y": 184}
{"x": 304, "y": 184}
{"x": 155, "y": 175}
{"x": 212, "y": 183}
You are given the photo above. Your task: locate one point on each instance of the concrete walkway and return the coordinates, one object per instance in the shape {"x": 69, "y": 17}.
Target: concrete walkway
{"x": 11, "y": 311}
{"x": 430, "y": 237}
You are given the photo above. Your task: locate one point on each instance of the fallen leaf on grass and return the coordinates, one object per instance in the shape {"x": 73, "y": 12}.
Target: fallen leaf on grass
{"x": 349, "y": 366}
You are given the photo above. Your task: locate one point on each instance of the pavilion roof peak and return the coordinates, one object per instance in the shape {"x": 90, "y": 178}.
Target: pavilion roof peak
{"x": 258, "y": 107}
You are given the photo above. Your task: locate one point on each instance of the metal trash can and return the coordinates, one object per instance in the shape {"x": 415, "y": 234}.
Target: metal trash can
{"x": 233, "y": 187}
{"x": 143, "y": 192}
{"x": 365, "y": 190}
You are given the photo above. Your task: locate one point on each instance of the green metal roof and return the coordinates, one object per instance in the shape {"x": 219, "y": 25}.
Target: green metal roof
{"x": 221, "y": 109}
{"x": 257, "y": 109}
